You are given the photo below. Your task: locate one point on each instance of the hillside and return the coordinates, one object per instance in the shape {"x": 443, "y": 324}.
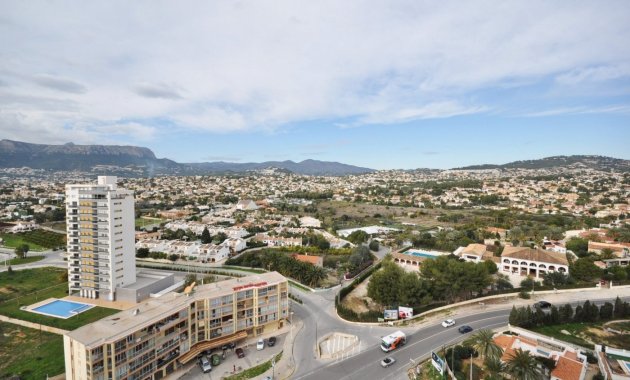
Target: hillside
{"x": 575, "y": 162}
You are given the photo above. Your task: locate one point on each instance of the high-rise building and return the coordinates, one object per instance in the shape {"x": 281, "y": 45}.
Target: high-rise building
{"x": 100, "y": 228}
{"x": 162, "y": 334}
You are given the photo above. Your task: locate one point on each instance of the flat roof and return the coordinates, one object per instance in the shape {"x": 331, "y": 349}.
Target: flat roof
{"x": 145, "y": 278}
{"x": 121, "y": 324}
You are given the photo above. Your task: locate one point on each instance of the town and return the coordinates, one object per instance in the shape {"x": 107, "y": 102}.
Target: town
{"x": 394, "y": 250}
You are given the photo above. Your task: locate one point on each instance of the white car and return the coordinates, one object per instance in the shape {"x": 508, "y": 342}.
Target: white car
{"x": 448, "y": 323}
{"x": 260, "y": 344}
{"x": 387, "y": 362}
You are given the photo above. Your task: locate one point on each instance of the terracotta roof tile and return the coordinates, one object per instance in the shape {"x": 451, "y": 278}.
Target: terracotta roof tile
{"x": 567, "y": 369}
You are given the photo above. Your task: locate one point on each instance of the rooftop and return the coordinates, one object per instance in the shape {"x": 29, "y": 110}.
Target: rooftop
{"x": 119, "y": 325}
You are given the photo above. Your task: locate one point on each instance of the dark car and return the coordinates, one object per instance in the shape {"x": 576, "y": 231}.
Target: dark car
{"x": 240, "y": 353}
{"x": 542, "y": 305}
{"x": 230, "y": 345}
{"x": 465, "y": 329}
{"x": 271, "y": 341}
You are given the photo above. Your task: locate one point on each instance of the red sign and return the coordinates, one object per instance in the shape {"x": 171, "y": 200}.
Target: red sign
{"x": 250, "y": 285}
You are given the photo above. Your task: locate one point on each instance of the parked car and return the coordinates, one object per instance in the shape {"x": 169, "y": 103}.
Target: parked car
{"x": 448, "y": 323}
{"x": 260, "y": 345}
{"x": 271, "y": 341}
{"x": 215, "y": 360}
{"x": 240, "y": 353}
{"x": 387, "y": 362}
{"x": 205, "y": 365}
{"x": 465, "y": 329}
{"x": 542, "y": 305}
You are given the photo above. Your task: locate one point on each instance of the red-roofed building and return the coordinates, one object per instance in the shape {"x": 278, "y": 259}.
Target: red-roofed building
{"x": 318, "y": 261}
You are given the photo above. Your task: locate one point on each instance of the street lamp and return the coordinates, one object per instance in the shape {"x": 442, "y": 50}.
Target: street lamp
{"x": 291, "y": 322}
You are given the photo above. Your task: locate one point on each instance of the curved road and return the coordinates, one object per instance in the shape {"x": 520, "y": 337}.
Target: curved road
{"x": 366, "y": 363}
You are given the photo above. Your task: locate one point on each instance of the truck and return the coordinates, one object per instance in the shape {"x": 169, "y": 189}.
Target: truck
{"x": 393, "y": 341}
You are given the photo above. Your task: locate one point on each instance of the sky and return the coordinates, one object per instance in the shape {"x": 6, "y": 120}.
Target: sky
{"x": 381, "y": 84}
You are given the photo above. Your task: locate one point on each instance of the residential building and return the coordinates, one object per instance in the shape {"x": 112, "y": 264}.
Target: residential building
{"x": 163, "y": 334}
{"x": 570, "y": 363}
{"x": 474, "y": 253}
{"x": 534, "y": 262}
{"x": 614, "y": 363}
{"x": 618, "y": 249}
{"x": 100, "y": 236}
{"x": 212, "y": 253}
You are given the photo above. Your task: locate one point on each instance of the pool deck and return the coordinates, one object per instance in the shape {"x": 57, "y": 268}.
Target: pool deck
{"x": 118, "y": 305}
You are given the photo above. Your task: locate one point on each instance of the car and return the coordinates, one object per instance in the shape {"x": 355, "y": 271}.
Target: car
{"x": 230, "y": 345}
{"x": 260, "y": 345}
{"x": 542, "y": 305}
{"x": 240, "y": 353}
{"x": 448, "y": 323}
{"x": 465, "y": 329}
{"x": 387, "y": 362}
{"x": 271, "y": 341}
{"x": 205, "y": 365}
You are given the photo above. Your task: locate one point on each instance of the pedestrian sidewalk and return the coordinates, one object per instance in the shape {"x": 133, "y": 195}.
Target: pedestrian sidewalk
{"x": 285, "y": 367}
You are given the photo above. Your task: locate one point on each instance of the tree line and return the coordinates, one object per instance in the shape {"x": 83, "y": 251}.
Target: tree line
{"x": 587, "y": 312}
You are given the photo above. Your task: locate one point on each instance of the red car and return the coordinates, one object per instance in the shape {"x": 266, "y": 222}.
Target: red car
{"x": 240, "y": 353}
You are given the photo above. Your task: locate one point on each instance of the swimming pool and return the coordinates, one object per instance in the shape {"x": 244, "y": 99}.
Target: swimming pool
{"x": 62, "y": 308}
{"x": 420, "y": 254}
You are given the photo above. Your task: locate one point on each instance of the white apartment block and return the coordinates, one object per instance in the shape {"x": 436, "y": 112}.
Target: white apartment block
{"x": 100, "y": 228}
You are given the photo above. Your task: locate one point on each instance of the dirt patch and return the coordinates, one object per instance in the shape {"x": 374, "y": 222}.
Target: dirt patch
{"x": 5, "y": 290}
{"x": 358, "y": 300}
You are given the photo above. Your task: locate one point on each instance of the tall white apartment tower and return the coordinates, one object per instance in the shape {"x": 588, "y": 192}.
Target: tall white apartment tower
{"x": 101, "y": 245}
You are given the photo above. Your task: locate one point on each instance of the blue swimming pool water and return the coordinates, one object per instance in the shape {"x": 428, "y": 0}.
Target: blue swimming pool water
{"x": 62, "y": 309}
{"x": 627, "y": 365}
{"x": 420, "y": 254}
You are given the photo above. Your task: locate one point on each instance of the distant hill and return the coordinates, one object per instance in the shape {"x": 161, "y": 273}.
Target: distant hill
{"x": 579, "y": 161}
{"x": 133, "y": 160}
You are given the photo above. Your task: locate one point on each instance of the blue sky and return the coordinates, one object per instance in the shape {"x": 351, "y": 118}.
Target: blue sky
{"x": 382, "y": 84}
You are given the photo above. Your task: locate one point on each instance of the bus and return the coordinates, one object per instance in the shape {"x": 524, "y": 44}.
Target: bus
{"x": 393, "y": 341}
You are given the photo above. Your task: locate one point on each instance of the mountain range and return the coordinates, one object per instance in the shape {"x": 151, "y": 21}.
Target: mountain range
{"x": 140, "y": 161}
{"x": 133, "y": 160}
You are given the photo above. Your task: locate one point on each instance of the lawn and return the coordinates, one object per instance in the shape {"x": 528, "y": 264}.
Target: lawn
{"x": 147, "y": 221}
{"x": 576, "y": 330}
{"x": 26, "y": 287}
{"x": 254, "y": 371}
{"x": 583, "y": 334}
{"x": 26, "y": 260}
{"x": 29, "y": 353}
{"x": 38, "y": 240}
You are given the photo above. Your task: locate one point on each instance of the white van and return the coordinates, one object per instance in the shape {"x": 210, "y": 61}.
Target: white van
{"x": 205, "y": 365}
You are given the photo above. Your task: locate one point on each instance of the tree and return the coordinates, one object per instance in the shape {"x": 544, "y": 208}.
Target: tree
{"x": 491, "y": 266}
{"x": 566, "y": 313}
{"x": 618, "y": 273}
{"x": 523, "y": 366}
{"x": 358, "y": 237}
{"x": 583, "y": 269}
{"x": 482, "y": 341}
{"x": 606, "y": 311}
{"x": 19, "y": 252}
{"x": 577, "y": 245}
{"x": 205, "y": 236}
{"x": 503, "y": 282}
{"x": 555, "y": 279}
{"x": 495, "y": 368}
{"x": 173, "y": 257}
{"x": 142, "y": 252}
{"x": 374, "y": 245}
{"x": 619, "y": 308}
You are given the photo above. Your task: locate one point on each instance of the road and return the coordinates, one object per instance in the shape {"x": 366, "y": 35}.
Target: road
{"x": 420, "y": 343}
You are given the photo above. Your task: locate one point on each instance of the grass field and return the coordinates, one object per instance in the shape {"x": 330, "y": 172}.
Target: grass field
{"x": 146, "y": 221}
{"x": 38, "y": 240}
{"x": 29, "y": 353}
{"x": 26, "y": 260}
{"x": 26, "y": 287}
{"x": 584, "y": 334}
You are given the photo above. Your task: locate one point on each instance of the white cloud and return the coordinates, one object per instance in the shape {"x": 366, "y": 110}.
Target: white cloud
{"x": 238, "y": 66}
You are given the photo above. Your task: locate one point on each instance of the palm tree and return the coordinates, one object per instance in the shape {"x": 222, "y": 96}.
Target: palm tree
{"x": 523, "y": 366}
{"x": 494, "y": 368}
{"x": 482, "y": 341}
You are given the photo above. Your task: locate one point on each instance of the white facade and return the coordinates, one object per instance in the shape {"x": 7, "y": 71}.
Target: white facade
{"x": 100, "y": 228}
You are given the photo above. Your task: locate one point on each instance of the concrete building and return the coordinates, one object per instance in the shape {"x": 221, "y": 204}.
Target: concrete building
{"x": 162, "y": 334}
{"x": 537, "y": 262}
{"x": 100, "y": 232}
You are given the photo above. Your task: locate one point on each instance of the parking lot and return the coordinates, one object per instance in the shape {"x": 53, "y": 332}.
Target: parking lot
{"x": 232, "y": 364}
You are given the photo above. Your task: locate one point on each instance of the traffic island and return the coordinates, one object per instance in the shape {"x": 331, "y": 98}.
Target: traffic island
{"x": 336, "y": 345}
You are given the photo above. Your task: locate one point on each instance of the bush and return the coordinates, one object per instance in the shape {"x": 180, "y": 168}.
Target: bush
{"x": 524, "y": 295}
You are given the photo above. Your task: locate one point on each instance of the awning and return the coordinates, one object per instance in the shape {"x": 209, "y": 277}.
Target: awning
{"x": 206, "y": 345}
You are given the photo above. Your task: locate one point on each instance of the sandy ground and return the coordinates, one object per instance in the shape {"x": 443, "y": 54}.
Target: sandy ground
{"x": 357, "y": 298}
